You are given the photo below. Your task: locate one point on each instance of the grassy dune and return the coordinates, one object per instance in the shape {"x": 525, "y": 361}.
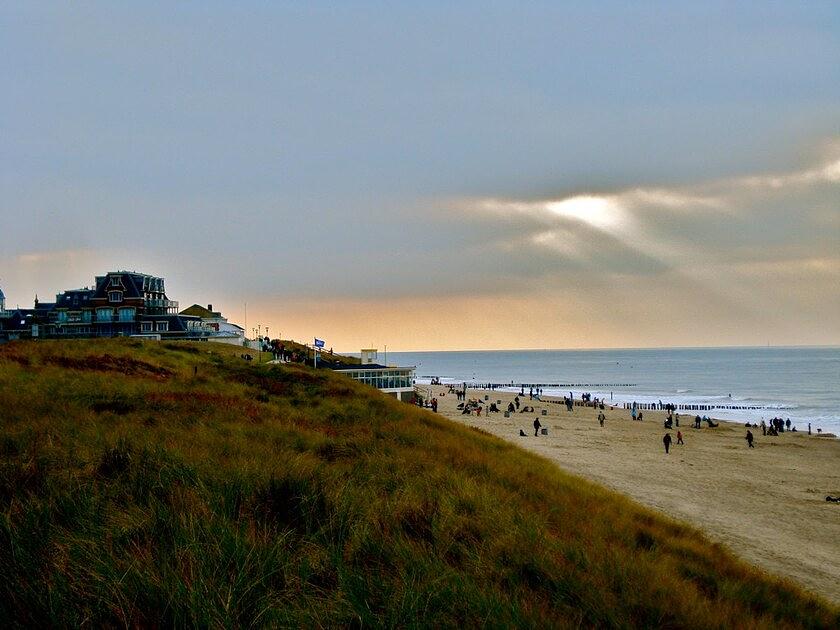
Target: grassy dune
{"x": 174, "y": 484}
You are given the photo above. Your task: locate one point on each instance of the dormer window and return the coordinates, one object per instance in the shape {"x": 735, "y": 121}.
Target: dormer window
{"x": 115, "y": 296}
{"x": 116, "y": 281}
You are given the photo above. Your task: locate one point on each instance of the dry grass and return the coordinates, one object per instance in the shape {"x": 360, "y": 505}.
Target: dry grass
{"x": 140, "y": 491}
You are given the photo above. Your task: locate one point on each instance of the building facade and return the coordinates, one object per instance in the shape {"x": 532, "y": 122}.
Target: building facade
{"x": 120, "y": 304}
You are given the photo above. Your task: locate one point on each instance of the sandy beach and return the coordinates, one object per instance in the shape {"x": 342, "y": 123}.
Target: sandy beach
{"x": 767, "y": 504}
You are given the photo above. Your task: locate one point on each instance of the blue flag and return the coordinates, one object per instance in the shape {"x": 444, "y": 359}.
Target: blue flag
{"x": 319, "y": 343}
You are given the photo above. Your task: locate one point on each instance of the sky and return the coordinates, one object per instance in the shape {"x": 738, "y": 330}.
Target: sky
{"x": 434, "y": 176}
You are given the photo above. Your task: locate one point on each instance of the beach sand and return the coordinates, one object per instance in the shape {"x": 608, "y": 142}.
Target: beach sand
{"x": 767, "y": 504}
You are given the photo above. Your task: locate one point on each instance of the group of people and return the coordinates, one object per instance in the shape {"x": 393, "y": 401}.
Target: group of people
{"x": 698, "y": 420}
{"x": 777, "y": 425}
{"x": 515, "y": 405}
{"x": 667, "y": 439}
{"x": 532, "y": 394}
{"x": 671, "y": 421}
{"x": 428, "y": 403}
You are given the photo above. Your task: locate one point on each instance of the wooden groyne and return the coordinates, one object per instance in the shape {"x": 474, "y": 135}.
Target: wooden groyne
{"x": 686, "y": 407}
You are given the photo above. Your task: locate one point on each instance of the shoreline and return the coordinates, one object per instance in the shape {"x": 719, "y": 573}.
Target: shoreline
{"x": 766, "y": 504}
{"x": 738, "y": 414}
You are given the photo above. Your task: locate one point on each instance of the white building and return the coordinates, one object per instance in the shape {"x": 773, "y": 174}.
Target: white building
{"x": 219, "y": 329}
{"x": 394, "y": 381}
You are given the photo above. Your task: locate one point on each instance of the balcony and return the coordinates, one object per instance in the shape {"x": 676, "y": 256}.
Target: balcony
{"x": 162, "y": 306}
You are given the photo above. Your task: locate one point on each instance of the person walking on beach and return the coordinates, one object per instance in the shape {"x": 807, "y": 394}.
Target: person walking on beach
{"x": 601, "y": 418}
{"x": 537, "y": 426}
{"x": 679, "y": 438}
{"x": 667, "y": 442}
{"x": 763, "y": 427}
{"x": 749, "y": 439}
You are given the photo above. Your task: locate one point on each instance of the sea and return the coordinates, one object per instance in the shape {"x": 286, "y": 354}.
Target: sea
{"x": 735, "y": 384}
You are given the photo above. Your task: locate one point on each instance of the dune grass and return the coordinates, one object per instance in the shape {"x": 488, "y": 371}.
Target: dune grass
{"x": 174, "y": 484}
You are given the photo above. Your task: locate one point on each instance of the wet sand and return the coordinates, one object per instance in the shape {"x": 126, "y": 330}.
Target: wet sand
{"x": 767, "y": 503}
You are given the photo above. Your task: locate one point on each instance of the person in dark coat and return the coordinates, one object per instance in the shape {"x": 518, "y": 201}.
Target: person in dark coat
{"x": 537, "y": 426}
{"x": 750, "y": 439}
{"x": 667, "y": 442}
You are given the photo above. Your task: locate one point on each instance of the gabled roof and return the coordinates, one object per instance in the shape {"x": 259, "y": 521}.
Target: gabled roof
{"x": 200, "y": 311}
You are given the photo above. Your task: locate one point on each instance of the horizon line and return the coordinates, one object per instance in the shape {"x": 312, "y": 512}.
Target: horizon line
{"x": 730, "y": 347}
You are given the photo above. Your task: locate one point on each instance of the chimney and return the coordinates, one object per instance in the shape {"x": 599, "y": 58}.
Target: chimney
{"x": 210, "y": 307}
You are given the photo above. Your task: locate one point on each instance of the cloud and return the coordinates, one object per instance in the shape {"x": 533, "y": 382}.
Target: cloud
{"x": 653, "y": 219}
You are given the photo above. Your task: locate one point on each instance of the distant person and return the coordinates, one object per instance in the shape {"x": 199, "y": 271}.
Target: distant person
{"x": 697, "y": 422}
{"x": 750, "y": 439}
{"x": 764, "y": 427}
{"x": 601, "y": 418}
{"x": 667, "y": 442}
{"x": 516, "y": 401}
{"x": 809, "y": 428}
{"x": 521, "y": 433}
{"x": 641, "y": 416}
{"x": 537, "y": 426}
{"x": 787, "y": 424}
{"x": 679, "y": 438}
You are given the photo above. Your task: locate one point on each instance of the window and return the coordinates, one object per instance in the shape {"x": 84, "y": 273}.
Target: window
{"x": 104, "y": 314}
{"x": 116, "y": 281}
{"x": 146, "y": 327}
{"x": 126, "y": 314}
{"x": 87, "y": 316}
{"x": 62, "y": 316}
{"x": 162, "y": 326}
{"x": 115, "y": 296}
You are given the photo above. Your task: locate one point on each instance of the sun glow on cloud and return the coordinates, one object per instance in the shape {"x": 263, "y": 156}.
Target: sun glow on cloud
{"x": 599, "y": 212}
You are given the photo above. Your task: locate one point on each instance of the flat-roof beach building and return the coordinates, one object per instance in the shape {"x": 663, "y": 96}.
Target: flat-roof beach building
{"x": 394, "y": 381}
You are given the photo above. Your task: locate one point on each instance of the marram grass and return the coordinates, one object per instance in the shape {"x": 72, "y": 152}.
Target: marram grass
{"x": 148, "y": 484}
